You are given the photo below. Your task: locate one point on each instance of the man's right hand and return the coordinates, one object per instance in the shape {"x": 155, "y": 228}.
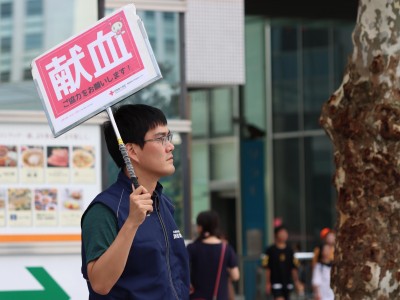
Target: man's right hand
{"x": 140, "y": 204}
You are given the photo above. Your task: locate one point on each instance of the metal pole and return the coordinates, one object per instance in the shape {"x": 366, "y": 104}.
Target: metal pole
{"x": 122, "y": 148}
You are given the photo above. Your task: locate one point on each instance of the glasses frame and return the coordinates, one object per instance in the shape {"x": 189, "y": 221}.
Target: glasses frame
{"x": 162, "y": 139}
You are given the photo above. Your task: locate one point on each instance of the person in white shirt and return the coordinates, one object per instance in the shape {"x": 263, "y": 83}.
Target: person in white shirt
{"x": 321, "y": 278}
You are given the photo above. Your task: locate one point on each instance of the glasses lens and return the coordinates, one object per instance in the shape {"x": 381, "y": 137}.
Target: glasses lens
{"x": 166, "y": 138}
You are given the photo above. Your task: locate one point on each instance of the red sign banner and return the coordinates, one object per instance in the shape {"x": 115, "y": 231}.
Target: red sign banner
{"x": 95, "y": 69}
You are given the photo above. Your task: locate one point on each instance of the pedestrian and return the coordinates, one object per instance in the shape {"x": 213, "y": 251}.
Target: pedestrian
{"x": 321, "y": 278}
{"x": 281, "y": 267}
{"x": 327, "y": 236}
{"x": 125, "y": 253}
{"x": 213, "y": 262}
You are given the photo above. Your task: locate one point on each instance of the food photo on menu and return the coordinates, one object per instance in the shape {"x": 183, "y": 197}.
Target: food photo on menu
{"x": 32, "y": 156}
{"x": 83, "y": 157}
{"x": 58, "y": 157}
{"x": 19, "y": 199}
{"x": 72, "y": 200}
{"x": 46, "y": 199}
{"x": 8, "y": 156}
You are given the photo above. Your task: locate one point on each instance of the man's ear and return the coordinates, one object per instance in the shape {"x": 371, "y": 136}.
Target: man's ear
{"x": 132, "y": 150}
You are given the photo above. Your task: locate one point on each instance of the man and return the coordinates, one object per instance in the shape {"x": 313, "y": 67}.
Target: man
{"x": 126, "y": 254}
{"x": 281, "y": 267}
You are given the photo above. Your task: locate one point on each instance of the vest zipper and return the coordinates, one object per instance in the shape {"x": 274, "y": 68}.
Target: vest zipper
{"x": 167, "y": 245}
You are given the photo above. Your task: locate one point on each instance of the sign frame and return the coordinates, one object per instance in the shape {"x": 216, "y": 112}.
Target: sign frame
{"x": 110, "y": 95}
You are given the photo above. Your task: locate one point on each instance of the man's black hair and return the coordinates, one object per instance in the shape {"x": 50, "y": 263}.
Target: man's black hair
{"x": 133, "y": 122}
{"x": 279, "y": 228}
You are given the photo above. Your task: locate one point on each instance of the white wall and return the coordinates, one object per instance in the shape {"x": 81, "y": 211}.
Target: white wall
{"x": 214, "y": 35}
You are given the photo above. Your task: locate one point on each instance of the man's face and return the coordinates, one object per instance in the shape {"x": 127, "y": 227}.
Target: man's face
{"x": 282, "y": 236}
{"x": 156, "y": 157}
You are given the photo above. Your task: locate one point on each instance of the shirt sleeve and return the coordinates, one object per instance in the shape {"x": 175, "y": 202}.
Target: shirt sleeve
{"x": 266, "y": 259}
{"x": 99, "y": 230}
{"x": 232, "y": 258}
{"x": 316, "y": 275}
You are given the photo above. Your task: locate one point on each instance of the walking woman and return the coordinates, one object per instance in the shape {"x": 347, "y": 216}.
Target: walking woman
{"x": 212, "y": 261}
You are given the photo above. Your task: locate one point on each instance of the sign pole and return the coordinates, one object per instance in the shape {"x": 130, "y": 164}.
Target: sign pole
{"x": 122, "y": 148}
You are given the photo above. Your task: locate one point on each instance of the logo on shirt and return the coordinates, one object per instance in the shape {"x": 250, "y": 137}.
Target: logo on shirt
{"x": 177, "y": 234}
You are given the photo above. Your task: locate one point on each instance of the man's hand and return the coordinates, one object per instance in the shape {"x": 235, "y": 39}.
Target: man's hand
{"x": 140, "y": 204}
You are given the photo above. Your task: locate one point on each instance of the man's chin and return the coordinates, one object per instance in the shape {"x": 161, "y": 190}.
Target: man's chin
{"x": 170, "y": 171}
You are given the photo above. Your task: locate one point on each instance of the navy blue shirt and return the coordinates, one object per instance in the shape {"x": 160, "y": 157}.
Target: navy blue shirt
{"x": 157, "y": 265}
{"x": 204, "y": 261}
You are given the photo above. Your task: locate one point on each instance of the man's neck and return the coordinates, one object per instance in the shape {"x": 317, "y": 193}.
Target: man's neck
{"x": 148, "y": 182}
{"x": 280, "y": 245}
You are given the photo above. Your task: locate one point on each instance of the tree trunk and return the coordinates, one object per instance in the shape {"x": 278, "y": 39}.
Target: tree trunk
{"x": 362, "y": 118}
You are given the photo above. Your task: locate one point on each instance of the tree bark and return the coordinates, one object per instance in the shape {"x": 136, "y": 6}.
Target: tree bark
{"x": 362, "y": 118}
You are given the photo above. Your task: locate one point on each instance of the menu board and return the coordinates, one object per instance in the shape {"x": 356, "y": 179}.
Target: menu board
{"x": 46, "y": 183}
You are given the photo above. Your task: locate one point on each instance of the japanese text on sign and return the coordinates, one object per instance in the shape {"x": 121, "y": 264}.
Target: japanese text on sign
{"x": 89, "y": 64}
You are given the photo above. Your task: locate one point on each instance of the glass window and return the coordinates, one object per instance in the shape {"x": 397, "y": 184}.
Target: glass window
{"x": 153, "y": 44}
{"x": 223, "y": 161}
{"x": 27, "y": 74}
{"x": 168, "y": 16}
{"x": 164, "y": 93}
{"x": 315, "y": 37}
{"x": 315, "y": 53}
{"x": 254, "y": 89}
{"x": 34, "y": 7}
{"x": 6, "y": 10}
{"x": 287, "y": 186}
{"x": 316, "y": 92}
{"x": 320, "y": 194}
{"x": 221, "y": 112}
{"x": 5, "y": 44}
{"x": 5, "y": 76}
{"x": 285, "y": 100}
{"x": 199, "y": 113}
{"x": 33, "y": 41}
{"x": 149, "y": 15}
{"x": 316, "y": 73}
{"x": 170, "y": 45}
{"x": 200, "y": 179}
{"x": 342, "y": 48}
{"x": 285, "y": 95}
{"x": 284, "y": 38}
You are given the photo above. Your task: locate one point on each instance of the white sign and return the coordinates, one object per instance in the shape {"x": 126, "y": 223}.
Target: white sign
{"x": 34, "y": 277}
{"x": 94, "y": 70}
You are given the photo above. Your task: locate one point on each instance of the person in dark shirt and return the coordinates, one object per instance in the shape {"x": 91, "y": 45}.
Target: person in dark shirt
{"x": 131, "y": 246}
{"x": 281, "y": 267}
{"x": 204, "y": 258}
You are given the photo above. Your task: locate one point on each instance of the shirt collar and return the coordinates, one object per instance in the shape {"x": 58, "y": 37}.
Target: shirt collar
{"x": 125, "y": 180}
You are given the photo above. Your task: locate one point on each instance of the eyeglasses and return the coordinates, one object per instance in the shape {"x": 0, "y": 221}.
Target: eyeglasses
{"x": 162, "y": 139}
